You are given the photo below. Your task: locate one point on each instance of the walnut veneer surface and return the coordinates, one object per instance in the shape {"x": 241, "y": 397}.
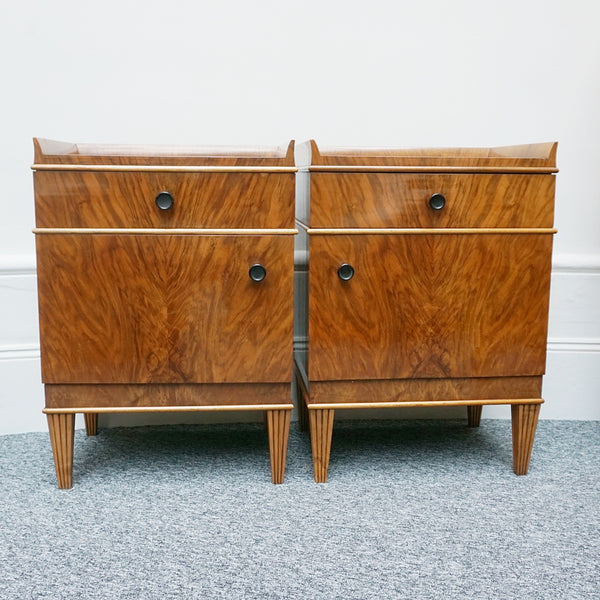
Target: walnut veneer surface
{"x": 447, "y": 301}
{"x": 150, "y": 306}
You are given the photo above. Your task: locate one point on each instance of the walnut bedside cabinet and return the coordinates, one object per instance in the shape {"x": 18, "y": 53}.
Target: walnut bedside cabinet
{"x": 165, "y": 282}
{"x": 428, "y": 282}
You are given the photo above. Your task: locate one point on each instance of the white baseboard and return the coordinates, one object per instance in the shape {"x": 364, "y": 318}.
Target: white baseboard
{"x": 571, "y": 384}
{"x": 21, "y": 396}
{"x": 24, "y": 352}
{"x": 17, "y": 264}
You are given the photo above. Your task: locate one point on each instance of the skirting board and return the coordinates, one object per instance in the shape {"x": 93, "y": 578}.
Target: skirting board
{"x": 571, "y": 389}
{"x": 571, "y": 385}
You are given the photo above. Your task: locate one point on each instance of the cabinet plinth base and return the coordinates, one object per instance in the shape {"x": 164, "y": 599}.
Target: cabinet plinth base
{"x": 525, "y": 410}
{"x": 64, "y": 401}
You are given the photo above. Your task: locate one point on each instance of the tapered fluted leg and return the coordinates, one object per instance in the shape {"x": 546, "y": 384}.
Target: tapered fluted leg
{"x": 91, "y": 423}
{"x": 524, "y": 423}
{"x": 278, "y": 428}
{"x": 474, "y": 415}
{"x": 62, "y": 428}
{"x": 302, "y": 410}
{"x": 321, "y": 430}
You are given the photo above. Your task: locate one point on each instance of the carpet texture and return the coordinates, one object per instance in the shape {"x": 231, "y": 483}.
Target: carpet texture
{"x": 413, "y": 509}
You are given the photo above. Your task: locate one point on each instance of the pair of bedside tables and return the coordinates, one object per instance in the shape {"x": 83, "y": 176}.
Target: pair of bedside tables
{"x": 166, "y": 283}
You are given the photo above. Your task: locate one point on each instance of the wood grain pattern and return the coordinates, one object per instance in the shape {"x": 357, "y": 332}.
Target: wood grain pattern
{"x": 164, "y": 309}
{"x": 103, "y": 309}
{"x": 424, "y": 391}
{"x": 167, "y": 396}
{"x": 62, "y": 430}
{"x": 524, "y": 424}
{"x": 527, "y": 156}
{"x": 224, "y": 327}
{"x": 402, "y": 200}
{"x": 278, "y": 427}
{"x": 201, "y": 200}
{"x": 52, "y": 151}
{"x": 428, "y": 306}
{"x": 321, "y": 430}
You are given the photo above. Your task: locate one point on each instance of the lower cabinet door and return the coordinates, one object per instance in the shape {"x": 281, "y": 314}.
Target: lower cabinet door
{"x": 428, "y": 305}
{"x": 165, "y": 308}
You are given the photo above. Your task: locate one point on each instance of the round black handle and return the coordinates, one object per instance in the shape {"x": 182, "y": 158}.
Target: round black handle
{"x": 437, "y": 201}
{"x": 164, "y": 201}
{"x": 257, "y": 272}
{"x": 346, "y": 272}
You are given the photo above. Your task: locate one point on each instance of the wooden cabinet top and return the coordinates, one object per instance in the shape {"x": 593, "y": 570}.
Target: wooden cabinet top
{"x": 51, "y": 154}
{"x": 529, "y": 158}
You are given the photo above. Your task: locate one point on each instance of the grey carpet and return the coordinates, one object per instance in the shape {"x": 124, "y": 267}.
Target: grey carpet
{"x": 417, "y": 509}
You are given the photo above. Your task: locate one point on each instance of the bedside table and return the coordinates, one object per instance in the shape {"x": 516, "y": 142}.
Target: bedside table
{"x": 165, "y": 282}
{"x": 429, "y": 278}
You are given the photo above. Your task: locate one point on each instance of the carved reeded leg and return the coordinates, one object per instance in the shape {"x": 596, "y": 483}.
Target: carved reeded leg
{"x": 91, "y": 423}
{"x": 278, "y": 428}
{"x": 62, "y": 429}
{"x": 474, "y": 415}
{"x": 321, "y": 429}
{"x": 524, "y": 423}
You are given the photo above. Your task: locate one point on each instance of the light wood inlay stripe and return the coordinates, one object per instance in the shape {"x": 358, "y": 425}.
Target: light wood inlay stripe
{"x": 446, "y": 231}
{"x": 173, "y": 231}
{"x": 424, "y": 169}
{"x": 424, "y": 403}
{"x": 163, "y": 168}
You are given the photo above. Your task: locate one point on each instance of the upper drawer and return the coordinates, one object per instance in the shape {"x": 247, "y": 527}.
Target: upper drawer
{"x": 127, "y": 199}
{"x": 403, "y": 200}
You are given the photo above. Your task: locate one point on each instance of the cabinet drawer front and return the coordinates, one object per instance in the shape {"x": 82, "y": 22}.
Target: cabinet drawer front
{"x": 402, "y": 200}
{"x": 164, "y": 309}
{"x": 95, "y": 199}
{"x": 452, "y": 305}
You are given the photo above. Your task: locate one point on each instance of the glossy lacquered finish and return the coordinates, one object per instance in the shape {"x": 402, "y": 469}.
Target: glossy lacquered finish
{"x": 450, "y": 251}
{"x": 54, "y": 155}
{"x": 419, "y": 306}
{"x": 527, "y": 158}
{"x": 100, "y": 199}
{"x": 164, "y": 309}
{"x": 165, "y": 280}
{"x": 404, "y": 200}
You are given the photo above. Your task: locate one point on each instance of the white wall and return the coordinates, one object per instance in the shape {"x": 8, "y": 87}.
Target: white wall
{"x": 344, "y": 72}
